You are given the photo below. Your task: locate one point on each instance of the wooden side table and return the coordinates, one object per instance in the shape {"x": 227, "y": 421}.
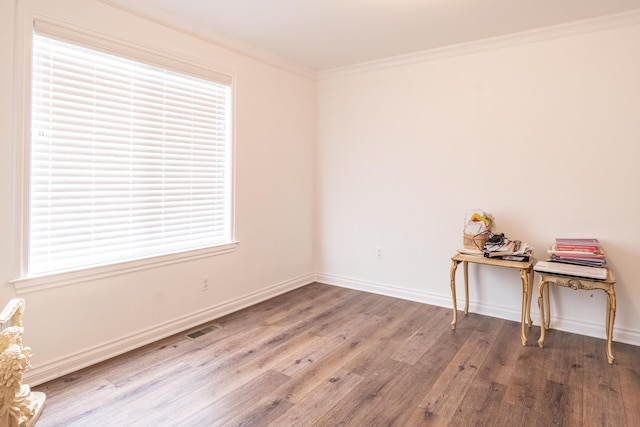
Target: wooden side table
{"x": 526, "y": 274}
{"x": 575, "y": 283}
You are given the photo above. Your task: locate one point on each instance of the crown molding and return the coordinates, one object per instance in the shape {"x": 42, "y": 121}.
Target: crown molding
{"x": 602, "y": 23}
{"x": 209, "y": 36}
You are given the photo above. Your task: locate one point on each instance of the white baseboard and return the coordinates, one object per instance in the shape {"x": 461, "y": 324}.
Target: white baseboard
{"x": 46, "y": 372}
{"x": 74, "y": 362}
{"x": 596, "y": 329}
{"x": 384, "y": 289}
{"x": 591, "y": 329}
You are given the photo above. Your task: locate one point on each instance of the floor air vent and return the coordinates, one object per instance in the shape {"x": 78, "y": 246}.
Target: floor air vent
{"x": 200, "y": 332}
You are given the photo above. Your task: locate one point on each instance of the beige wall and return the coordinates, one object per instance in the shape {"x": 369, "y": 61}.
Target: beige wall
{"x": 74, "y": 325}
{"x": 544, "y": 134}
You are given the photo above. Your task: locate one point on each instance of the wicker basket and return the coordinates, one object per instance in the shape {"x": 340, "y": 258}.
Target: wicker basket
{"x": 475, "y": 241}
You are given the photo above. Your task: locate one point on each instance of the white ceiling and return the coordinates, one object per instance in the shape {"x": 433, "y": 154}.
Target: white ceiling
{"x": 326, "y": 34}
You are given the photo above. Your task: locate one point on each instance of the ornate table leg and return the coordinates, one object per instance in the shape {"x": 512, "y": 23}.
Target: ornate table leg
{"x": 454, "y": 266}
{"x": 530, "y": 273}
{"x": 611, "y": 317}
{"x": 524, "y": 275}
{"x": 547, "y": 306}
{"x": 465, "y": 268}
{"x": 541, "y": 306}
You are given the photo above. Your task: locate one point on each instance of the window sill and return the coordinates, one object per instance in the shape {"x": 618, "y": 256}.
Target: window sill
{"x": 55, "y": 280}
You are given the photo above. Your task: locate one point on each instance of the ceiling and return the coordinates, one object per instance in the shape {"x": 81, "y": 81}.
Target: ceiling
{"x": 327, "y": 34}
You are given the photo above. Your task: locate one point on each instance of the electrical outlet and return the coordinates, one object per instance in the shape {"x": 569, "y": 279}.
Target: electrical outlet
{"x": 379, "y": 252}
{"x": 205, "y": 282}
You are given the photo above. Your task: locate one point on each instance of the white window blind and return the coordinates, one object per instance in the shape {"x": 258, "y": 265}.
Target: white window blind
{"x": 128, "y": 160}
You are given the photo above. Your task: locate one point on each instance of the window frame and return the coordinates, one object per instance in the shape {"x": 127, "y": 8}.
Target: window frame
{"x": 22, "y": 143}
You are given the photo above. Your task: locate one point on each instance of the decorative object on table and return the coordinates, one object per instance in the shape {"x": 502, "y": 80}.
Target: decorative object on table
{"x": 477, "y": 229}
{"x": 586, "y": 252}
{"x": 576, "y": 264}
{"x": 507, "y": 249}
{"x": 479, "y": 240}
{"x": 19, "y": 406}
{"x": 581, "y": 257}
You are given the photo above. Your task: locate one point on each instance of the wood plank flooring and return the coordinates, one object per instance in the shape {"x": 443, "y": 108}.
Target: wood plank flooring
{"x": 327, "y": 356}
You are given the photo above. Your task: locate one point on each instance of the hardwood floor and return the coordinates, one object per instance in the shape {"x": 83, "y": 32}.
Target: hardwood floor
{"x": 327, "y": 356}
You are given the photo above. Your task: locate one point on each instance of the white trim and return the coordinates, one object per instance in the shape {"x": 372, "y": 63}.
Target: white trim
{"x": 26, "y": 18}
{"x": 74, "y": 362}
{"x": 206, "y": 34}
{"x": 21, "y": 133}
{"x": 532, "y": 36}
{"x": 28, "y": 285}
{"x": 384, "y": 289}
{"x": 71, "y": 363}
{"x": 123, "y": 48}
{"x": 591, "y": 329}
{"x": 595, "y": 329}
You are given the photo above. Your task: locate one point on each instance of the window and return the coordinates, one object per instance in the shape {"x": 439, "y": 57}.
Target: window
{"x": 127, "y": 161}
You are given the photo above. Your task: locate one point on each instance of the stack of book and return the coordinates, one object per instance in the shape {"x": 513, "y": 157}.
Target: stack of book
{"x": 578, "y": 252}
{"x": 510, "y": 250}
{"x": 500, "y": 247}
{"x": 575, "y": 257}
